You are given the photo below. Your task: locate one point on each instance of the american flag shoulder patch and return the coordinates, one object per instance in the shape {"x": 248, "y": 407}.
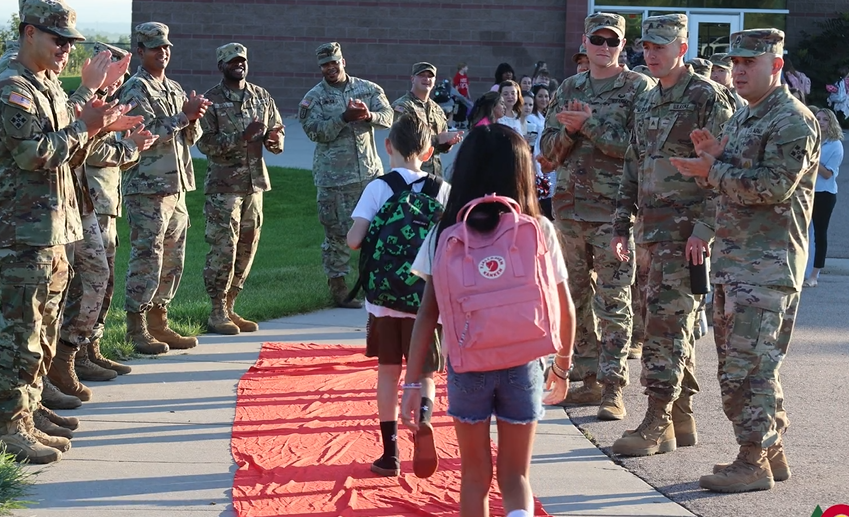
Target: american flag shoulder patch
{"x": 21, "y": 100}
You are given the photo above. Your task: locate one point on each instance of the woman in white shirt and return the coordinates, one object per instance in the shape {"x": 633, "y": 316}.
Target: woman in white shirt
{"x": 825, "y": 191}
{"x": 512, "y": 97}
{"x": 536, "y": 125}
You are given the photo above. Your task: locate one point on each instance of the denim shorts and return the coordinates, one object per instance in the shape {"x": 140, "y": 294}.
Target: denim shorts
{"x": 513, "y": 395}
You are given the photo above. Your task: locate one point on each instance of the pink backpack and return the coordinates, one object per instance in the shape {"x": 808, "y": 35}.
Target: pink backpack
{"x": 496, "y": 292}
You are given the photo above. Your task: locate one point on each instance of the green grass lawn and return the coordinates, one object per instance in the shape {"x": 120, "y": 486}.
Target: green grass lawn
{"x": 70, "y": 82}
{"x": 287, "y": 276}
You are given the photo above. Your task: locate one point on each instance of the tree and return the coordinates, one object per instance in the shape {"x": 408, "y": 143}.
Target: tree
{"x": 9, "y": 33}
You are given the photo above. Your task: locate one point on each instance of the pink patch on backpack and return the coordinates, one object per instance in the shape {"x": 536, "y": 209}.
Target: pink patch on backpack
{"x": 496, "y": 292}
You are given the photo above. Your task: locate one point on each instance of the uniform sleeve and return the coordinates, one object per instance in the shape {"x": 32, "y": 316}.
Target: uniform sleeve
{"x": 213, "y": 141}
{"x": 274, "y": 120}
{"x": 720, "y": 112}
{"x": 626, "y": 200}
{"x": 611, "y": 135}
{"x": 80, "y": 96}
{"x": 30, "y": 147}
{"x": 112, "y": 153}
{"x": 164, "y": 127}
{"x": 441, "y": 127}
{"x": 320, "y": 128}
{"x": 790, "y": 153}
{"x": 555, "y": 142}
{"x": 381, "y": 111}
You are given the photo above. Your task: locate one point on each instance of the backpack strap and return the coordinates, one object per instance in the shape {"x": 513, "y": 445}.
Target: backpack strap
{"x": 395, "y": 181}
{"x": 432, "y": 185}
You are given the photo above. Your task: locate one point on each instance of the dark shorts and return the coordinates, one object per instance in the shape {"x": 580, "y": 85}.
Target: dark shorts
{"x": 388, "y": 339}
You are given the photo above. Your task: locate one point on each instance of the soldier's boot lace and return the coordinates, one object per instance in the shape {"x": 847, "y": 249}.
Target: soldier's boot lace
{"x": 654, "y": 435}
{"x": 218, "y": 321}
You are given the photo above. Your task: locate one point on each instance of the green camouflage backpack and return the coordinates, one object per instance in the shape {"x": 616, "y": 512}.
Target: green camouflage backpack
{"x": 394, "y": 238}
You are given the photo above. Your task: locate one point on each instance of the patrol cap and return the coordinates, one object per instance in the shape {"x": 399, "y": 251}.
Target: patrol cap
{"x": 152, "y": 34}
{"x": 755, "y": 42}
{"x": 53, "y": 16}
{"x": 327, "y": 52}
{"x": 597, "y": 21}
{"x": 117, "y": 53}
{"x": 721, "y": 59}
{"x": 663, "y": 30}
{"x": 582, "y": 51}
{"x": 700, "y": 66}
{"x": 230, "y": 51}
{"x": 424, "y": 67}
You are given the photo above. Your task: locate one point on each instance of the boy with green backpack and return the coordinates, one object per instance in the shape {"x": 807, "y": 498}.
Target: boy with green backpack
{"x": 393, "y": 216}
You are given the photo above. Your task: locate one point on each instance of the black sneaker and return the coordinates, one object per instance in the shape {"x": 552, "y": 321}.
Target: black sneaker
{"x": 387, "y": 467}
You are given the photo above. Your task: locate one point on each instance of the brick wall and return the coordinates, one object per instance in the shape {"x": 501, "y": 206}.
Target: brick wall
{"x": 804, "y": 15}
{"x": 380, "y": 39}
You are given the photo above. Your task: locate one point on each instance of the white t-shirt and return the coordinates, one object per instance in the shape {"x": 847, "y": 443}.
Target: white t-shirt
{"x": 513, "y": 123}
{"x": 423, "y": 265}
{"x": 375, "y": 195}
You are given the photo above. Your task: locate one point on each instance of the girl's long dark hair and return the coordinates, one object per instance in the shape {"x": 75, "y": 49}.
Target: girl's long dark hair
{"x": 535, "y": 90}
{"x": 492, "y": 159}
{"x": 483, "y": 107}
{"x": 501, "y": 69}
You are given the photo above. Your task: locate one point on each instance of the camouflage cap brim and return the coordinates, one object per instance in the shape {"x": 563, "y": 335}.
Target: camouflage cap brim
{"x": 64, "y": 32}
{"x": 330, "y": 59}
{"x": 161, "y": 41}
{"x": 656, "y": 39}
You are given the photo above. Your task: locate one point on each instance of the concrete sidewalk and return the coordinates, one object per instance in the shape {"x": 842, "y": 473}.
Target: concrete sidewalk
{"x": 156, "y": 442}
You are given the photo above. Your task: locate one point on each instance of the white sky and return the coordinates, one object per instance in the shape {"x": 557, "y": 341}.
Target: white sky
{"x": 88, "y": 11}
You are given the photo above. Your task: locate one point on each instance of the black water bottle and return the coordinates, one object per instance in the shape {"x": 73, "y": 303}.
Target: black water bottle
{"x": 699, "y": 281}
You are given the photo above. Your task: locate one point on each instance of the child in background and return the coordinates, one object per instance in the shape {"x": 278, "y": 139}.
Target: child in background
{"x": 496, "y": 160}
{"x": 388, "y": 331}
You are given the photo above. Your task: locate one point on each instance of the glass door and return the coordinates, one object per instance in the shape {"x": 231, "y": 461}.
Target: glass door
{"x": 710, "y": 33}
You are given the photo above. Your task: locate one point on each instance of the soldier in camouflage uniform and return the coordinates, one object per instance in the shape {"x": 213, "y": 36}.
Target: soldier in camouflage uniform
{"x": 38, "y": 207}
{"x": 763, "y": 170}
{"x": 242, "y": 121}
{"x": 339, "y": 114}
{"x": 700, "y": 66}
{"x": 674, "y": 224}
{"x": 721, "y": 73}
{"x": 417, "y": 102}
{"x": 155, "y": 193}
{"x": 587, "y": 128}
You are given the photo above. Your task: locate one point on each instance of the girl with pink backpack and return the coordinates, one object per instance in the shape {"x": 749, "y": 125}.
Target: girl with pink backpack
{"x": 497, "y": 279}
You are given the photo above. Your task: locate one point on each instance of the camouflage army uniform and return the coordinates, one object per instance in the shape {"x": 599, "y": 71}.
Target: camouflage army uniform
{"x": 345, "y": 159}
{"x": 10, "y": 52}
{"x": 431, "y": 114}
{"x": 722, "y": 60}
{"x": 235, "y": 180}
{"x": 701, "y": 66}
{"x": 765, "y": 179}
{"x": 154, "y": 192}
{"x": 38, "y": 207}
{"x": 669, "y": 209}
{"x": 584, "y": 202}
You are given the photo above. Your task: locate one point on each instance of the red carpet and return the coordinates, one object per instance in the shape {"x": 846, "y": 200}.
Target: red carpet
{"x": 306, "y": 433}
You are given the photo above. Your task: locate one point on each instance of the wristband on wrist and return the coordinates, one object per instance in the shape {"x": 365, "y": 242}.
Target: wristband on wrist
{"x": 412, "y": 386}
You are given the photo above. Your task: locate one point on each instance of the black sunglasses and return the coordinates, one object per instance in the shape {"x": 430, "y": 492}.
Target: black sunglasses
{"x": 600, "y": 40}
{"x": 61, "y": 41}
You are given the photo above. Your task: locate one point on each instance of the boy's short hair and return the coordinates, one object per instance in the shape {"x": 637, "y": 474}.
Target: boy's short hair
{"x": 410, "y": 136}
{"x": 461, "y": 65}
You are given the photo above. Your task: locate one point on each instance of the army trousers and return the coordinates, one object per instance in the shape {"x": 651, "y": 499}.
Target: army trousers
{"x": 600, "y": 285}
{"x": 158, "y": 227}
{"x": 32, "y": 283}
{"x": 335, "y": 206}
{"x": 752, "y": 326}
{"x": 669, "y": 354}
{"x": 84, "y": 299}
{"x": 109, "y": 234}
{"x": 233, "y": 224}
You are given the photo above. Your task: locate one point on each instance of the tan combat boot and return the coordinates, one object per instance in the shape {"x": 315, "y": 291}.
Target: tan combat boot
{"x": 24, "y": 446}
{"x": 612, "y": 404}
{"x": 777, "y": 462}
{"x": 749, "y": 472}
{"x": 97, "y": 358}
{"x": 654, "y": 435}
{"x": 141, "y": 339}
{"x": 589, "y": 394}
{"x": 219, "y": 322}
{"x": 68, "y": 422}
{"x": 683, "y": 421}
{"x": 157, "y": 325}
{"x": 42, "y": 423}
{"x": 635, "y": 351}
{"x": 243, "y": 324}
{"x": 59, "y": 443}
{"x": 87, "y": 370}
{"x": 52, "y": 398}
{"x": 339, "y": 291}
{"x": 63, "y": 375}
